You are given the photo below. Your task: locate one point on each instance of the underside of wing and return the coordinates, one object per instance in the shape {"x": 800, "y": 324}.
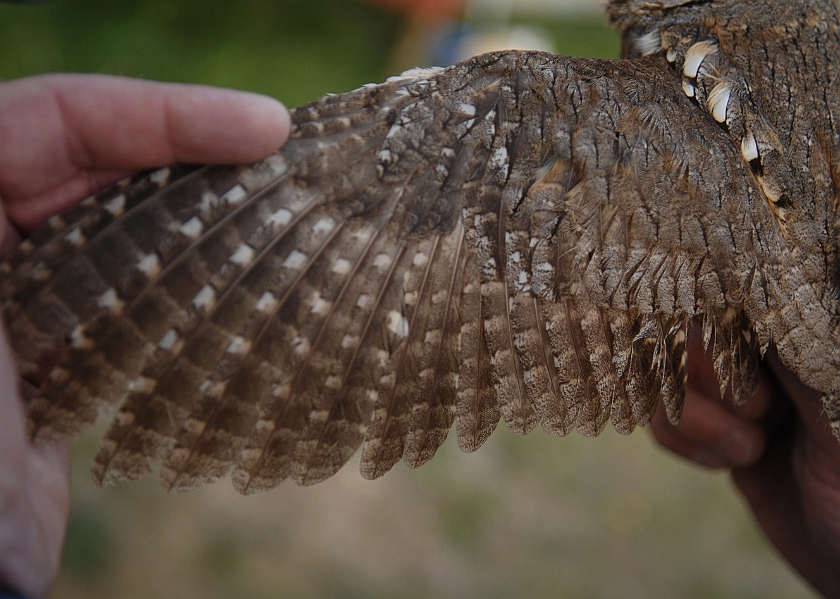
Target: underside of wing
{"x": 521, "y": 236}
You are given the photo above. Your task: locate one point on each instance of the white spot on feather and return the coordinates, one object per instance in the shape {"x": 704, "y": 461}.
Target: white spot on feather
{"x": 110, "y": 301}
{"x": 239, "y": 346}
{"x": 433, "y": 337}
{"x": 214, "y": 390}
{"x": 749, "y": 149}
{"x": 267, "y": 302}
{"x": 243, "y": 254}
{"x": 142, "y": 384}
{"x": 397, "y": 324}
{"x": 161, "y": 176}
{"x": 204, "y": 298}
{"x": 695, "y": 56}
{"x": 116, "y": 206}
{"x": 280, "y": 218}
{"x": 209, "y": 201}
{"x": 76, "y": 237}
{"x": 382, "y": 261}
{"x": 324, "y": 225}
{"x": 283, "y": 391}
{"x": 149, "y": 265}
{"x": 499, "y": 159}
{"x": 467, "y": 109}
{"x": 300, "y": 346}
{"x": 78, "y": 339}
{"x": 489, "y": 268}
{"x": 364, "y": 301}
{"x": 349, "y": 341}
{"x": 235, "y": 195}
{"x": 341, "y": 267}
{"x": 420, "y": 73}
{"x": 295, "y": 260}
{"x": 192, "y": 228}
{"x": 168, "y": 340}
{"x": 719, "y": 101}
{"x": 320, "y": 306}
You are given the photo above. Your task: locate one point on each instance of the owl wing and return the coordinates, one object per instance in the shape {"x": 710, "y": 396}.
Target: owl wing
{"x": 521, "y": 235}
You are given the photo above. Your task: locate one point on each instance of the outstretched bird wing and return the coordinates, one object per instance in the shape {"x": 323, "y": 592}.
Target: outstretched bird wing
{"x": 522, "y": 235}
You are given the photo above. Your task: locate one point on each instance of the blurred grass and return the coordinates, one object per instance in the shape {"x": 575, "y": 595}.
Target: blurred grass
{"x": 524, "y": 517}
{"x": 294, "y": 50}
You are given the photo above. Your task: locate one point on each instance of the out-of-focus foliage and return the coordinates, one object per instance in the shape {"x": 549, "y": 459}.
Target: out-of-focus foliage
{"x": 295, "y": 50}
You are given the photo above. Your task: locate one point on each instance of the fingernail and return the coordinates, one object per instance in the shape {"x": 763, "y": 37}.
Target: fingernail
{"x": 738, "y": 449}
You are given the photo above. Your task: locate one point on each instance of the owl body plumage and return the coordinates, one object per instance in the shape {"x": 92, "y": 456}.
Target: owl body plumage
{"x": 521, "y": 236}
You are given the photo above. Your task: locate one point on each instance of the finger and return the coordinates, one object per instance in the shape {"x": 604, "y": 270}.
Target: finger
{"x": 58, "y": 131}
{"x": 710, "y": 434}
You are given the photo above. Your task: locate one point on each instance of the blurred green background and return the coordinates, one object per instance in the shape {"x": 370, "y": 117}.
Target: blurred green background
{"x": 528, "y": 517}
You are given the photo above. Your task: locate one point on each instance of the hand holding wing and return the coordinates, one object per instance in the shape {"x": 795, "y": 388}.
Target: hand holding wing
{"x": 522, "y": 236}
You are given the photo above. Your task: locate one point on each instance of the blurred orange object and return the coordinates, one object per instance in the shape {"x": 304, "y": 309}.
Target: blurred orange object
{"x": 426, "y": 10}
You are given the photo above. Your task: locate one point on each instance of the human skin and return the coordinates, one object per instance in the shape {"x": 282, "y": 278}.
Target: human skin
{"x": 782, "y": 456}
{"x": 63, "y": 138}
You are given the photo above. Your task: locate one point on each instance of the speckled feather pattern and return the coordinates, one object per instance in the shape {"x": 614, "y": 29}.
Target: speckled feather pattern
{"x": 522, "y": 236}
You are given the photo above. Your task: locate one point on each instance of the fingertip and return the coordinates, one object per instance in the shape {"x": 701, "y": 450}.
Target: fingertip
{"x": 709, "y": 434}
{"x": 215, "y": 125}
{"x": 269, "y": 123}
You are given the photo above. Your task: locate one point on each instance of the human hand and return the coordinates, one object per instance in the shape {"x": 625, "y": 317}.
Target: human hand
{"x": 63, "y": 138}
{"x": 782, "y": 455}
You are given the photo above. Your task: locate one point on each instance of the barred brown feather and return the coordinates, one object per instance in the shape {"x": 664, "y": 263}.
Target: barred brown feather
{"x": 521, "y": 236}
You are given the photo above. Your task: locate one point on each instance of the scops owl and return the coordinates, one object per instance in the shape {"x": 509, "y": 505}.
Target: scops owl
{"x": 522, "y": 236}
